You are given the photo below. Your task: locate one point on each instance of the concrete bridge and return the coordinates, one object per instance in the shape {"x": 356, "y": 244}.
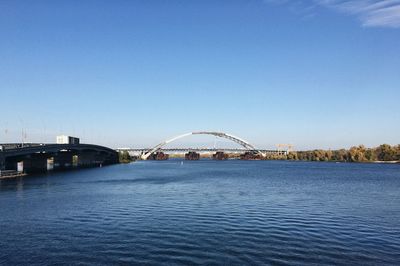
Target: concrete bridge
{"x": 35, "y": 157}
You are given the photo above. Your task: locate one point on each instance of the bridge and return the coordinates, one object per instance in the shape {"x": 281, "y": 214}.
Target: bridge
{"x": 180, "y": 150}
{"x": 246, "y": 146}
{"x": 37, "y": 157}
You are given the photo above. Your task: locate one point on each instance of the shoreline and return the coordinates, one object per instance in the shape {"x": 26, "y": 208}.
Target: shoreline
{"x": 387, "y": 162}
{"x": 11, "y": 174}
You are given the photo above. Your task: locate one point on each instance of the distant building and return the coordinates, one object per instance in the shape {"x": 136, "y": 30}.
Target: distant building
{"x": 67, "y": 140}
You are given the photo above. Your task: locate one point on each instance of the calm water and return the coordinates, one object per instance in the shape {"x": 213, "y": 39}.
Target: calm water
{"x": 204, "y": 212}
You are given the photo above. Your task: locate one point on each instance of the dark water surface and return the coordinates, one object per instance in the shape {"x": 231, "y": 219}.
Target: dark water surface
{"x": 204, "y": 212}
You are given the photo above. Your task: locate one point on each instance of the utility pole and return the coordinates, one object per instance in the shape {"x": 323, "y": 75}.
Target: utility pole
{"x": 22, "y": 137}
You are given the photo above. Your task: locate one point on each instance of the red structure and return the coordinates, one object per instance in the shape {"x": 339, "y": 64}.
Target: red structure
{"x": 158, "y": 156}
{"x": 250, "y": 156}
{"x": 192, "y": 156}
{"x": 219, "y": 155}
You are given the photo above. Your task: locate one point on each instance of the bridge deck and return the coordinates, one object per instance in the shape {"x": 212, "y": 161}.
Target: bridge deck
{"x": 197, "y": 150}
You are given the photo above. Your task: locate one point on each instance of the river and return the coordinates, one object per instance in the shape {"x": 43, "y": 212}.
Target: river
{"x": 204, "y": 212}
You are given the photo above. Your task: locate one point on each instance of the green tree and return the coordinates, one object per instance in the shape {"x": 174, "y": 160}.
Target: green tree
{"x": 370, "y": 155}
{"x": 340, "y": 155}
{"x": 124, "y": 157}
{"x": 385, "y": 152}
{"x": 397, "y": 148}
{"x": 292, "y": 155}
{"x": 357, "y": 154}
{"x": 328, "y": 155}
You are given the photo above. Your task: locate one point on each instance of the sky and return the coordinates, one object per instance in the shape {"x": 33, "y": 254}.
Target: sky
{"x": 315, "y": 74}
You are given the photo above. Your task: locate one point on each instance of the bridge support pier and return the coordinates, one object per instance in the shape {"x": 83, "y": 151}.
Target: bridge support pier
{"x": 35, "y": 163}
{"x": 192, "y": 156}
{"x": 50, "y": 163}
{"x": 220, "y": 155}
{"x": 250, "y": 156}
{"x": 158, "y": 156}
{"x": 2, "y": 162}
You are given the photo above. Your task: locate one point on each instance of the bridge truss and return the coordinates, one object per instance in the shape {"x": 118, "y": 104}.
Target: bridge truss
{"x": 246, "y": 145}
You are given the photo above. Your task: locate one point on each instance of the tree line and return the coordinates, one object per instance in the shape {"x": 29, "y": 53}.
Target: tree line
{"x": 384, "y": 152}
{"x": 124, "y": 157}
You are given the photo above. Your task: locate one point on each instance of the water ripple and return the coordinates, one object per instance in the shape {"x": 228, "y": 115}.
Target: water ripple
{"x": 229, "y": 213}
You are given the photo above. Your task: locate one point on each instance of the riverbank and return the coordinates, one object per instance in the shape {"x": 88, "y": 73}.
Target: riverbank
{"x": 390, "y": 162}
{"x": 8, "y": 174}
{"x": 384, "y": 153}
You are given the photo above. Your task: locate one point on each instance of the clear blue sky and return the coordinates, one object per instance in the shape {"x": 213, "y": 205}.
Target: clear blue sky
{"x": 317, "y": 74}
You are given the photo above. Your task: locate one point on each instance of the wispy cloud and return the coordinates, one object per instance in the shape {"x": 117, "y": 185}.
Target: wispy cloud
{"x": 305, "y": 9}
{"x": 372, "y": 13}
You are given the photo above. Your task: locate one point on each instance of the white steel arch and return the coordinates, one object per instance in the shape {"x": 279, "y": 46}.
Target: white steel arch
{"x": 239, "y": 141}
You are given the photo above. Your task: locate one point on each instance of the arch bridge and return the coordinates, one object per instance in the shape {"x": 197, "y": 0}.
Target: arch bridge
{"x": 245, "y": 144}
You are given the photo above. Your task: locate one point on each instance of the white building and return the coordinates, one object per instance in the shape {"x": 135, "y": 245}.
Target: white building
{"x": 67, "y": 140}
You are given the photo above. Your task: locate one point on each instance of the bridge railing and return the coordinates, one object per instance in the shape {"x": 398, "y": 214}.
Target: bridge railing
{"x": 11, "y": 146}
